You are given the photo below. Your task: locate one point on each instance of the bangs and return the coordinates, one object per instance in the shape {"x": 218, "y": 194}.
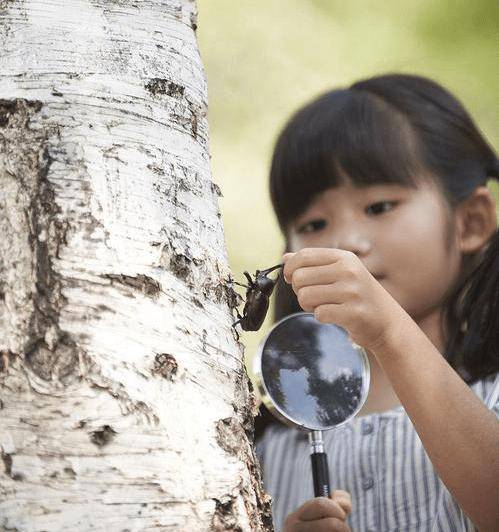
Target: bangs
{"x": 345, "y": 135}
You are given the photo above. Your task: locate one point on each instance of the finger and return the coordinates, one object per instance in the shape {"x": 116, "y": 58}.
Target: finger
{"x": 310, "y": 257}
{"x": 330, "y": 524}
{"x": 312, "y": 275}
{"x": 320, "y": 508}
{"x": 332, "y": 313}
{"x": 311, "y": 297}
{"x": 344, "y": 499}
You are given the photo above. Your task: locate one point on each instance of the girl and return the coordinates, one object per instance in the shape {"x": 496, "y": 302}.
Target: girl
{"x": 380, "y": 191}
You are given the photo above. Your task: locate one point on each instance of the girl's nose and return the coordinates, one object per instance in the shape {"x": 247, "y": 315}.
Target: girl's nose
{"x": 354, "y": 242}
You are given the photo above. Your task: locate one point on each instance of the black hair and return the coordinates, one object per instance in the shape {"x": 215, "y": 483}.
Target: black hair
{"x": 391, "y": 129}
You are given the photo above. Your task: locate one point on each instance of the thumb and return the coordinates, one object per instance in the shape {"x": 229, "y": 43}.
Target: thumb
{"x": 344, "y": 499}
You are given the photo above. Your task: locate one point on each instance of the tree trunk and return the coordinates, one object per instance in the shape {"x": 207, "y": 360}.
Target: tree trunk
{"x": 124, "y": 403}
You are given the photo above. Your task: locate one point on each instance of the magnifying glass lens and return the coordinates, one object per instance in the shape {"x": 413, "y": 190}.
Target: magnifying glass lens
{"x": 313, "y": 373}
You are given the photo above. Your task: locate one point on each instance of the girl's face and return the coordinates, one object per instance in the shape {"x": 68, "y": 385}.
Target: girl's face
{"x": 402, "y": 235}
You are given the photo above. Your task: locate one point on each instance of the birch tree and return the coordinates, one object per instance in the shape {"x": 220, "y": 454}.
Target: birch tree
{"x": 124, "y": 403}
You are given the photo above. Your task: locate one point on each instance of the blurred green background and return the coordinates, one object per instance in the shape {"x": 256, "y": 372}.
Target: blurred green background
{"x": 265, "y": 58}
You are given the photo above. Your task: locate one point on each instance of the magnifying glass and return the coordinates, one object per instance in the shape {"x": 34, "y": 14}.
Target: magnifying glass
{"x": 313, "y": 377}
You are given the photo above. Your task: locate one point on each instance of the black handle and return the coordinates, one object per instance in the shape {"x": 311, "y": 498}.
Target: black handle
{"x": 320, "y": 472}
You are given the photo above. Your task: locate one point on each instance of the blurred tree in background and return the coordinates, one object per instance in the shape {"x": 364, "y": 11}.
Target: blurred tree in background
{"x": 265, "y": 58}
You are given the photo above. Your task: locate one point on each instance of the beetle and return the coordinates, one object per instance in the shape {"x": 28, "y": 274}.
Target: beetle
{"x": 258, "y": 292}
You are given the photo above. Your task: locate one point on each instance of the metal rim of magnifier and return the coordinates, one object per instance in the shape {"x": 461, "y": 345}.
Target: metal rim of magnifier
{"x": 280, "y": 414}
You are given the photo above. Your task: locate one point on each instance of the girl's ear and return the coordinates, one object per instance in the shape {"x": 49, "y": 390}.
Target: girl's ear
{"x": 476, "y": 220}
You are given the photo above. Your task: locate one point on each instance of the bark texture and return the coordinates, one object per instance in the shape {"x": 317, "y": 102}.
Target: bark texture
{"x": 124, "y": 403}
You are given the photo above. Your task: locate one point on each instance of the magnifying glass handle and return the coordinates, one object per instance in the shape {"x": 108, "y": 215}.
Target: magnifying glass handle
{"x": 320, "y": 469}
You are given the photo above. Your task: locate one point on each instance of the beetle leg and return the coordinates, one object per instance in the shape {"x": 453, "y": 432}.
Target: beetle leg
{"x": 250, "y": 280}
{"x": 235, "y": 323}
{"x": 240, "y": 284}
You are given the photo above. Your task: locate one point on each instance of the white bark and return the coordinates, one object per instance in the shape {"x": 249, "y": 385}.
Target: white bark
{"x": 124, "y": 403}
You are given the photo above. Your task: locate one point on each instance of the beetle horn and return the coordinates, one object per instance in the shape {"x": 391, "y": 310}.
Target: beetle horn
{"x": 268, "y": 270}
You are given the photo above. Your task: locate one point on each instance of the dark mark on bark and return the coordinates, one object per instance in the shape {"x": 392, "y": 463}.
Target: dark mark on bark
{"x": 28, "y": 422}
{"x": 7, "y": 108}
{"x": 216, "y": 190}
{"x": 104, "y": 308}
{"x": 184, "y": 112}
{"x": 180, "y": 265}
{"x": 165, "y": 365}
{"x": 225, "y": 518}
{"x": 194, "y": 21}
{"x": 246, "y": 413}
{"x": 156, "y": 169}
{"x": 222, "y": 291}
{"x": 197, "y": 302}
{"x": 163, "y": 86}
{"x": 102, "y": 436}
{"x": 194, "y": 125}
{"x": 52, "y": 363}
{"x": 7, "y": 462}
{"x": 70, "y": 472}
{"x": 147, "y": 285}
{"x": 230, "y": 435}
{"x": 205, "y": 285}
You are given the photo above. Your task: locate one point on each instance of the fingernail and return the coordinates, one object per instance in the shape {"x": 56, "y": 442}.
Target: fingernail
{"x": 286, "y": 256}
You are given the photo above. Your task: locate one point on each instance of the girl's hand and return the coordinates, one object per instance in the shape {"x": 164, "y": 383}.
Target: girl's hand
{"x": 336, "y": 286}
{"x": 321, "y": 514}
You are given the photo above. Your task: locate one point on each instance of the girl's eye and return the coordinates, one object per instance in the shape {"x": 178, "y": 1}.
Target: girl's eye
{"x": 380, "y": 207}
{"x": 312, "y": 226}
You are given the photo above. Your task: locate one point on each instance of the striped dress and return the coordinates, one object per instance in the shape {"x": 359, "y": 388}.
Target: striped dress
{"x": 380, "y": 460}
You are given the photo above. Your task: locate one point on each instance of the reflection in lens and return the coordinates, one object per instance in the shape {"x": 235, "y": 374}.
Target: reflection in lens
{"x": 313, "y": 372}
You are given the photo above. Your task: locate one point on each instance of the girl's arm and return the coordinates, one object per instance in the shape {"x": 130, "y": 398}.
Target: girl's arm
{"x": 459, "y": 433}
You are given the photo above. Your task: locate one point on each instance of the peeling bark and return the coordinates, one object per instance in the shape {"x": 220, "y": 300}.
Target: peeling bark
{"x": 123, "y": 395}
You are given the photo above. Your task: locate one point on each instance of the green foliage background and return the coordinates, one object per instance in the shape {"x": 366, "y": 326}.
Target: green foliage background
{"x": 265, "y": 58}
